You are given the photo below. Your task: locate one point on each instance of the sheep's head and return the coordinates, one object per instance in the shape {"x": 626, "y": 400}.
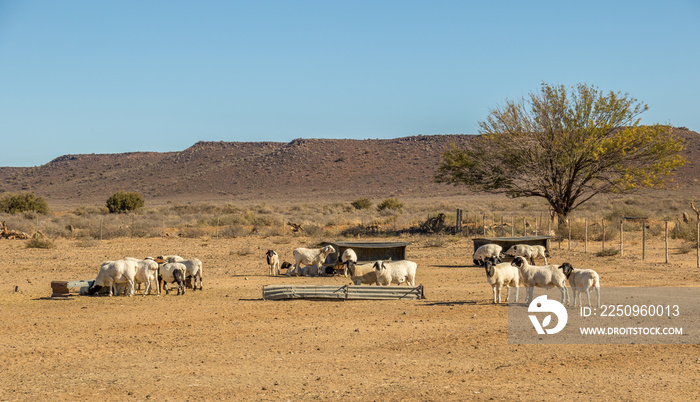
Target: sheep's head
{"x": 94, "y": 289}
{"x": 567, "y": 268}
{"x": 488, "y": 266}
{"x": 327, "y": 250}
{"x": 351, "y": 266}
{"x": 285, "y": 265}
{"x": 379, "y": 267}
{"x": 518, "y": 262}
{"x": 270, "y": 253}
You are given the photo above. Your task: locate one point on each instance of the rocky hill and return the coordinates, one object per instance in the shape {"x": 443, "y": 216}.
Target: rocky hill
{"x": 298, "y": 171}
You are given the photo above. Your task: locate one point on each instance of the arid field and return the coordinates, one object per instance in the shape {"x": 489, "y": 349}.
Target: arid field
{"x": 227, "y": 343}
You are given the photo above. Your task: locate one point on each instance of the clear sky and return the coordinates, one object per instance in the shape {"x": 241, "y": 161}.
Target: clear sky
{"x": 117, "y": 76}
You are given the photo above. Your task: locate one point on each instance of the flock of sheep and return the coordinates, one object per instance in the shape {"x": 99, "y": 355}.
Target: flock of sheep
{"x": 521, "y": 271}
{"x": 122, "y": 276}
{"x": 309, "y": 262}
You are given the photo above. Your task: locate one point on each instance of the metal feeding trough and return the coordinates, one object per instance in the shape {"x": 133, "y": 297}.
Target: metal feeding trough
{"x": 68, "y": 288}
{"x": 345, "y": 292}
{"x": 366, "y": 252}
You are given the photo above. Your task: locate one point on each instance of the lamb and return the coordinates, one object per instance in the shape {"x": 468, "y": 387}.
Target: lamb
{"x": 146, "y": 271}
{"x": 310, "y": 256}
{"x": 499, "y": 275}
{"x": 273, "y": 262}
{"x": 531, "y": 252}
{"x": 546, "y": 276}
{"x": 581, "y": 278}
{"x": 396, "y": 272}
{"x": 113, "y": 272}
{"x": 486, "y": 251}
{"x": 349, "y": 259}
{"x": 172, "y": 272}
{"x": 193, "y": 270}
{"x": 361, "y": 273}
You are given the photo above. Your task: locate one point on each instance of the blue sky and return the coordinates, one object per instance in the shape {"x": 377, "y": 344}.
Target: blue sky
{"x": 118, "y": 76}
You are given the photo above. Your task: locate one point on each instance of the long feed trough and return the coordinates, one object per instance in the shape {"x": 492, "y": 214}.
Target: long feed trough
{"x": 345, "y": 292}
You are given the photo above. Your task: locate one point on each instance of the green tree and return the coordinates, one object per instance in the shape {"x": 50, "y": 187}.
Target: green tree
{"x": 14, "y": 203}
{"x": 123, "y": 201}
{"x": 566, "y": 147}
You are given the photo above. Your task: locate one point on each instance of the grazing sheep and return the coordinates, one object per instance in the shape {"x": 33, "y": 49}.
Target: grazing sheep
{"x": 172, "y": 272}
{"x": 531, "y": 252}
{"x": 113, "y": 272}
{"x": 546, "y": 276}
{"x": 193, "y": 272}
{"x": 499, "y": 275}
{"x": 349, "y": 259}
{"x": 396, "y": 272}
{"x": 273, "y": 262}
{"x": 486, "y": 251}
{"x": 146, "y": 271}
{"x": 310, "y": 256}
{"x": 581, "y": 278}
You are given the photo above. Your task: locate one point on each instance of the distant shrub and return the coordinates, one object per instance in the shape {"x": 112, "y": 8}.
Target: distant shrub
{"x": 362, "y": 203}
{"x": 390, "y": 204}
{"x": 123, "y": 201}
{"x": 23, "y": 202}
{"x": 608, "y": 252}
{"x": 37, "y": 242}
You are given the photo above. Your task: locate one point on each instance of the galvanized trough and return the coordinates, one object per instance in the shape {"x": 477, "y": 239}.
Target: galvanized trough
{"x": 345, "y": 292}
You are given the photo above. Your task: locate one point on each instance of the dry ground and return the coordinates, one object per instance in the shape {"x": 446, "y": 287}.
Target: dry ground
{"x": 227, "y": 343}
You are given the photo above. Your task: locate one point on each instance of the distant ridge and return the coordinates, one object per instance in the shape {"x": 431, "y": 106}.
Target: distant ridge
{"x": 298, "y": 171}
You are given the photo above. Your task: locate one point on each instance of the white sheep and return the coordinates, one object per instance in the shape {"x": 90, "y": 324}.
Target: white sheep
{"x": 349, "y": 258}
{"x": 273, "y": 262}
{"x": 499, "y": 275}
{"x": 546, "y": 276}
{"x": 486, "y": 251}
{"x": 310, "y": 256}
{"x": 531, "y": 252}
{"x": 581, "y": 279}
{"x": 396, "y": 272}
{"x": 113, "y": 272}
{"x": 193, "y": 270}
{"x": 172, "y": 272}
{"x": 146, "y": 271}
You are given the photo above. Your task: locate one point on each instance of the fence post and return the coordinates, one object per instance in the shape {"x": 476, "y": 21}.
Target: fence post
{"x": 666, "y": 236}
{"x": 568, "y": 221}
{"x": 512, "y": 226}
{"x": 585, "y": 236}
{"x": 483, "y": 223}
{"x": 603, "y": 229}
{"x": 622, "y": 237}
{"x": 644, "y": 239}
{"x": 524, "y": 227}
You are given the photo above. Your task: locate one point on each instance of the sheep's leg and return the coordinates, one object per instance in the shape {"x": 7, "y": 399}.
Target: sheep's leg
{"x": 597, "y": 288}
{"x": 564, "y": 296}
{"x": 495, "y": 292}
{"x": 200, "y": 280}
{"x": 517, "y": 290}
{"x": 112, "y": 289}
{"x": 588, "y": 295}
{"x": 131, "y": 287}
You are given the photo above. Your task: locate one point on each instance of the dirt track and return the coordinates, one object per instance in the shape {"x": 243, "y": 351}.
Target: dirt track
{"x": 227, "y": 343}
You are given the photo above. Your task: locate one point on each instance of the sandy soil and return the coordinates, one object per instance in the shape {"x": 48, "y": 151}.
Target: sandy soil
{"x": 227, "y": 343}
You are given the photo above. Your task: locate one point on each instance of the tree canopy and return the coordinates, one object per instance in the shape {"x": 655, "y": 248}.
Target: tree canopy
{"x": 566, "y": 147}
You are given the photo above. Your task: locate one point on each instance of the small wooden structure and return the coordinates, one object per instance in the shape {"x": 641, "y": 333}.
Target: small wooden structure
{"x": 345, "y": 292}
{"x": 369, "y": 251}
{"x": 507, "y": 242}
